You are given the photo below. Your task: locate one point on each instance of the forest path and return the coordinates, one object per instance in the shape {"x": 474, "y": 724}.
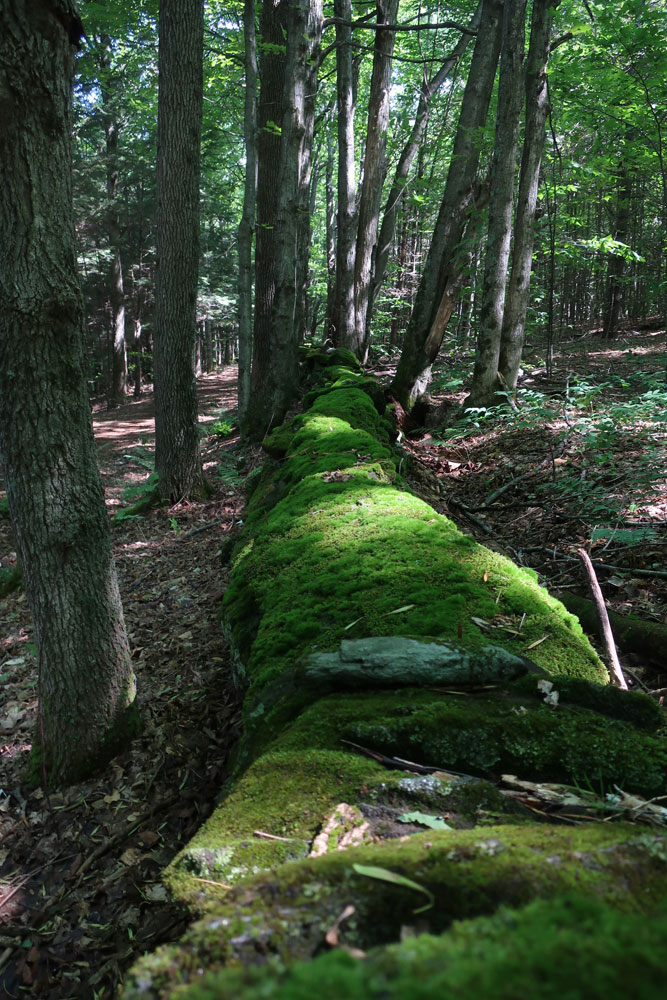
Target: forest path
{"x": 80, "y": 891}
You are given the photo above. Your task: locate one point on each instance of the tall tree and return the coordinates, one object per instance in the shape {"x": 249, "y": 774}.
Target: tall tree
{"x": 109, "y": 86}
{"x": 273, "y": 28}
{"x": 501, "y": 201}
{"x": 289, "y": 83}
{"x": 516, "y": 303}
{"x": 247, "y": 223}
{"x": 442, "y": 274}
{"x": 177, "y": 459}
{"x": 346, "y": 216}
{"x": 394, "y": 199}
{"x": 86, "y": 683}
{"x": 375, "y": 167}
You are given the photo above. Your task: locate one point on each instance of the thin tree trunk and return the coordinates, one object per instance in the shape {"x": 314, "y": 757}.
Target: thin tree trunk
{"x": 510, "y": 95}
{"x": 399, "y": 183}
{"x": 109, "y": 88}
{"x": 614, "y": 292}
{"x": 177, "y": 459}
{"x": 247, "y": 224}
{"x": 330, "y": 236}
{"x": 442, "y": 270}
{"x": 344, "y": 317}
{"x": 86, "y": 683}
{"x": 516, "y": 305}
{"x": 374, "y": 169}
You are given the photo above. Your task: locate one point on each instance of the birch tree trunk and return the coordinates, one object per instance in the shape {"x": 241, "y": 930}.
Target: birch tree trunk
{"x": 177, "y": 459}
{"x": 86, "y": 683}
{"x": 514, "y": 319}
{"x": 501, "y": 198}
{"x": 441, "y": 277}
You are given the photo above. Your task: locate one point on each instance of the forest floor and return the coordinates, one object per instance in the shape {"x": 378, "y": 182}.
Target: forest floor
{"x": 581, "y": 463}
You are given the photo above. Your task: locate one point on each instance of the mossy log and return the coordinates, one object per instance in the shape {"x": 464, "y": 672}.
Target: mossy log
{"x": 366, "y": 630}
{"x": 632, "y": 634}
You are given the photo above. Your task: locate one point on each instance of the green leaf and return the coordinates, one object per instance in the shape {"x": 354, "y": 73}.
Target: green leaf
{"x": 384, "y": 875}
{"x": 424, "y": 819}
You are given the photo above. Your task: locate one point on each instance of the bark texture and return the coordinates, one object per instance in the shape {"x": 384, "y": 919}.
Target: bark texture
{"x": 177, "y": 459}
{"x": 399, "y": 183}
{"x": 247, "y": 223}
{"x": 273, "y": 27}
{"x": 442, "y": 273}
{"x": 346, "y": 219}
{"x": 501, "y": 199}
{"x": 109, "y": 88}
{"x": 537, "y": 106}
{"x": 86, "y": 683}
{"x": 374, "y": 169}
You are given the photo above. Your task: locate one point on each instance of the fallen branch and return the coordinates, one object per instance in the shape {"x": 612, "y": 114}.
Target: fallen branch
{"x": 603, "y": 620}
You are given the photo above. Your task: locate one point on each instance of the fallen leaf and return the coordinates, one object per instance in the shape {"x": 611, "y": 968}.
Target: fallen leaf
{"x": 424, "y": 819}
{"x": 157, "y": 894}
{"x": 384, "y": 875}
{"x": 131, "y": 857}
{"x": 149, "y": 838}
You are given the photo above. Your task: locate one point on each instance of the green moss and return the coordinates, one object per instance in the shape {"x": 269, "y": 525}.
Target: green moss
{"x": 320, "y": 358}
{"x": 630, "y": 706}
{"x": 279, "y": 440}
{"x": 286, "y": 913}
{"x": 569, "y": 947}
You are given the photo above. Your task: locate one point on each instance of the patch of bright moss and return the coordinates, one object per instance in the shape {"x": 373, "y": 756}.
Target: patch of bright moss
{"x": 569, "y": 947}
{"x": 295, "y": 783}
{"x": 287, "y": 912}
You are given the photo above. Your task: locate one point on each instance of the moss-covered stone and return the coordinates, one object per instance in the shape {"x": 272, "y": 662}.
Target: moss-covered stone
{"x": 568, "y": 947}
{"x": 286, "y": 914}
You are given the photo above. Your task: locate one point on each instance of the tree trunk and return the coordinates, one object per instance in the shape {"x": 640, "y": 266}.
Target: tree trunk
{"x": 86, "y": 683}
{"x": 273, "y": 26}
{"x": 177, "y": 459}
{"x": 344, "y": 322}
{"x": 374, "y": 169}
{"x": 247, "y": 224}
{"x": 399, "y": 183}
{"x": 516, "y": 305}
{"x": 304, "y": 27}
{"x": 109, "y": 88}
{"x": 442, "y": 270}
{"x": 501, "y": 197}
{"x": 330, "y": 236}
{"x": 614, "y": 292}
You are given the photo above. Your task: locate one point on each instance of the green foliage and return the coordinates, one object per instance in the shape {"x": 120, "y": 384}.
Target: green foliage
{"x": 143, "y": 495}
{"x": 223, "y": 426}
{"x": 4, "y": 508}
{"x": 10, "y": 580}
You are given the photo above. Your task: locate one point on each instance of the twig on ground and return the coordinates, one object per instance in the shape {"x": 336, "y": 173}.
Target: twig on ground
{"x": 603, "y": 620}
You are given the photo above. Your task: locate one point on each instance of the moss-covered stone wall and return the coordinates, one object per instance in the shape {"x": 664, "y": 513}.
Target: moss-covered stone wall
{"x": 317, "y": 844}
